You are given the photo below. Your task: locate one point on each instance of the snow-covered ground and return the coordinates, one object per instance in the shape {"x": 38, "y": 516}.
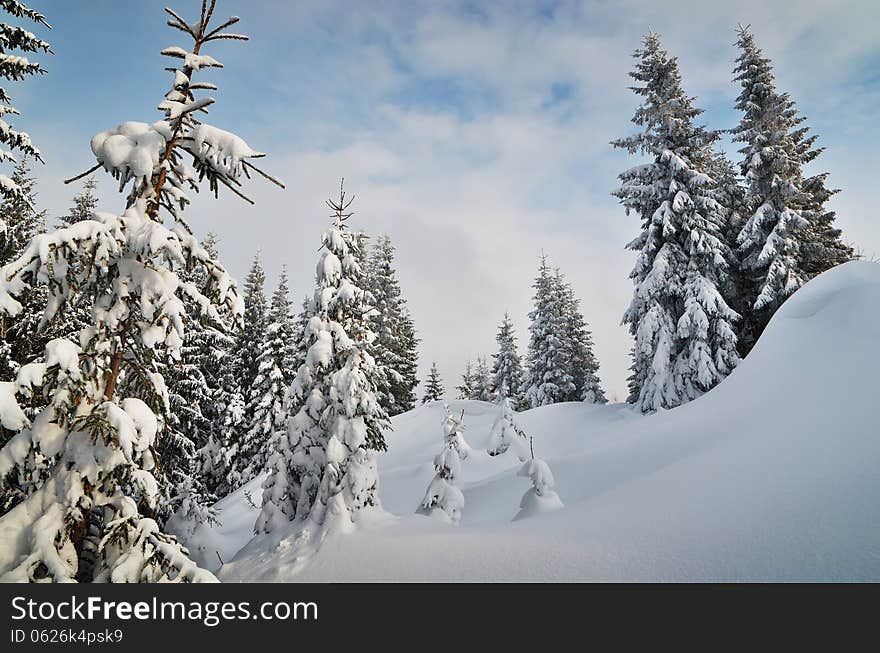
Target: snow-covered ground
{"x": 773, "y": 476}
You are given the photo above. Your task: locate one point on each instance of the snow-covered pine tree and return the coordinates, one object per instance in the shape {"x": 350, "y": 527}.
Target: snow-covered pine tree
{"x": 16, "y": 67}
{"x": 84, "y": 469}
{"x": 443, "y": 498}
{"x": 821, "y": 245}
{"x": 323, "y": 469}
{"x": 730, "y": 193}
{"x": 245, "y": 360}
{"x": 507, "y": 369}
{"x": 22, "y": 341}
{"x": 84, "y": 204}
{"x": 789, "y": 235}
{"x": 267, "y": 398}
{"x": 548, "y": 379}
{"x": 222, "y": 409}
{"x": 396, "y": 343}
{"x": 300, "y": 350}
{"x": 227, "y": 423}
{"x": 182, "y": 436}
{"x": 506, "y": 432}
{"x": 405, "y": 391}
{"x": 578, "y": 343}
{"x": 77, "y": 314}
{"x": 684, "y": 340}
{"x": 466, "y": 389}
{"x": 482, "y": 388}
{"x": 434, "y": 389}
{"x": 196, "y": 402}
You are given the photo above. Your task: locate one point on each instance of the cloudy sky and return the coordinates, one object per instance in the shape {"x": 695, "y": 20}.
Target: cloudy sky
{"x": 475, "y": 133}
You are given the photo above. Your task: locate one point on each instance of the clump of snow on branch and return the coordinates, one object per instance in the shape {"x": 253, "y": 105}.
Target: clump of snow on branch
{"x": 540, "y": 497}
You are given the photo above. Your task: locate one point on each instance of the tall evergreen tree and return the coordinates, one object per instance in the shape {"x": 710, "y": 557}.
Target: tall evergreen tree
{"x": 267, "y": 396}
{"x": 548, "y": 378}
{"x": 84, "y": 204}
{"x": 434, "y": 390}
{"x": 730, "y": 192}
{"x": 482, "y": 389}
{"x": 507, "y": 370}
{"x": 788, "y": 236}
{"x": 822, "y": 247}
{"x": 323, "y": 470}
{"x": 77, "y": 313}
{"x": 84, "y": 470}
{"x": 210, "y": 351}
{"x": 684, "y": 340}
{"x": 195, "y": 401}
{"x": 578, "y": 342}
{"x": 23, "y": 339}
{"x": 396, "y": 343}
{"x": 466, "y": 389}
{"x": 16, "y": 67}
{"x": 219, "y": 453}
{"x": 246, "y": 363}
{"x": 300, "y": 349}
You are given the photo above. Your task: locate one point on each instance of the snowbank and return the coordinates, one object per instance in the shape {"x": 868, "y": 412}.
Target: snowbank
{"x": 770, "y": 477}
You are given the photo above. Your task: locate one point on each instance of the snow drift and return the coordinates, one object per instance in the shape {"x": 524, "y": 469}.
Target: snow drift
{"x": 772, "y": 476}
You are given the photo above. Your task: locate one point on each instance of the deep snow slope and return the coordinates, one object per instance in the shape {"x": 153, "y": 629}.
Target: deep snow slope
{"x": 774, "y": 475}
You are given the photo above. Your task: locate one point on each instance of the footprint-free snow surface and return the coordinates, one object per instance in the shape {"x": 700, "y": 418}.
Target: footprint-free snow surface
{"x": 772, "y": 476}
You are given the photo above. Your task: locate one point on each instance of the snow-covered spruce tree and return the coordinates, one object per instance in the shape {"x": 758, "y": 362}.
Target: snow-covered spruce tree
{"x": 578, "y": 342}
{"x": 300, "y": 350}
{"x": 548, "y": 379}
{"x": 323, "y": 469}
{"x": 684, "y": 339}
{"x": 197, "y": 403}
{"x": 434, "y": 389}
{"x": 84, "y": 467}
{"x": 267, "y": 397}
{"x": 396, "y": 347}
{"x": 466, "y": 389}
{"x": 506, "y": 432}
{"x": 245, "y": 360}
{"x": 227, "y": 423}
{"x": 507, "y": 371}
{"x": 789, "y": 235}
{"x": 22, "y": 341}
{"x": 223, "y": 410}
{"x": 730, "y": 193}
{"x": 442, "y": 498}
{"x": 84, "y": 204}
{"x": 16, "y": 67}
{"x": 405, "y": 391}
{"x": 77, "y": 313}
{"x": 821, "y": 245}
{"x": 482, "y": 388}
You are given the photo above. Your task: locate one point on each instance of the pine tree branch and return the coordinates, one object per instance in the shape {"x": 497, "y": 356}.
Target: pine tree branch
{"x": 84, "y": 174}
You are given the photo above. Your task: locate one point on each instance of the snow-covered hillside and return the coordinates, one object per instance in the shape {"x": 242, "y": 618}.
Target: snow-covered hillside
{"x": 771, "y": 476}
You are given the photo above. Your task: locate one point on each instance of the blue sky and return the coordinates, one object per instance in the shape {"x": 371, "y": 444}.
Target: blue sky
{"x": 475, "y": 133}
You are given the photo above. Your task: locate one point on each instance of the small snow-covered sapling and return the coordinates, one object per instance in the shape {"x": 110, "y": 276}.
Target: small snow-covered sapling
{"x": 443, "y": 498}
{"x": 506, "y": 432}
{"x": 540, "y": 497}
